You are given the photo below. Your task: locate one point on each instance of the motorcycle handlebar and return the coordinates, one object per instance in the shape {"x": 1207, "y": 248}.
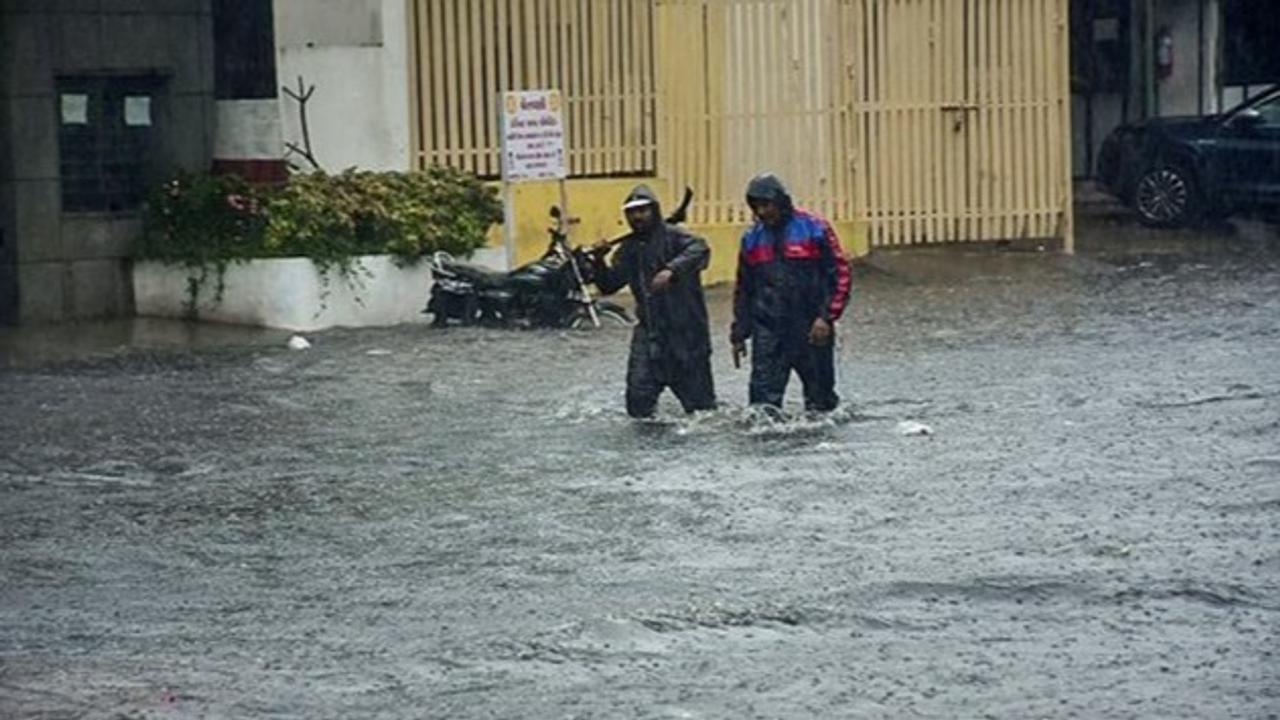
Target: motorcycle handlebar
{"x": 682, "y": 212}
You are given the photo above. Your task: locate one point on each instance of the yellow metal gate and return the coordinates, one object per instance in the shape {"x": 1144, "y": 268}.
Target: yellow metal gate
{"x": 599, "y": 53}
{"x": 927, "y": 120}
{"x": 959, "y": 110}
{"x": 753, "y": 85}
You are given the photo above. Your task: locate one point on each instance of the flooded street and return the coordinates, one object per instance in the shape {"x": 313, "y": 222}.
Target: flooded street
{"x": 465, "y": 524}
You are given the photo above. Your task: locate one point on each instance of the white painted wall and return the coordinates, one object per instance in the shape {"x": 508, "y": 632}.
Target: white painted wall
{"x": 290, "y": 293}
{"x": 355, "y": 52}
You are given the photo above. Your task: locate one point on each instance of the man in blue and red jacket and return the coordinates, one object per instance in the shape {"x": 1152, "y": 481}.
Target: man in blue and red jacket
{"x": 793, "y": 284}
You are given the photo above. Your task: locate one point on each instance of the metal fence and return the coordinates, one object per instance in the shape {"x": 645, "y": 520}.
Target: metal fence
{"x": 599, "y": 53}
{"x": 930, "y": 120}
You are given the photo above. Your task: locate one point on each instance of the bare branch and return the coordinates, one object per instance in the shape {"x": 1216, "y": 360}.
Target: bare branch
{"x": 301, "y": 96}
{"x": 304, "y": 153}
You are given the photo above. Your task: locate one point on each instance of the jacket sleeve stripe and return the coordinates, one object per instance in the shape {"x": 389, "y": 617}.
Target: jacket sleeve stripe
{"x": 844, "y": 279}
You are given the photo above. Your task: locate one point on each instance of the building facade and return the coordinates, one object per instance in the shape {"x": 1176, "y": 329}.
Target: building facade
{"x": 904, "y": 121}
{"x": 1135, "y": 59}
{"x": 97, "y": 101}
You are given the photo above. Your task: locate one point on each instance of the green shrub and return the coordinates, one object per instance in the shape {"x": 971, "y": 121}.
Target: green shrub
{"x": 199, "y": 220}
{"x": 206, "y": 222}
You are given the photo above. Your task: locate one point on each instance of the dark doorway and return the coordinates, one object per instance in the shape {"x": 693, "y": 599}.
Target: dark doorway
{"x": 1101, "y": 50}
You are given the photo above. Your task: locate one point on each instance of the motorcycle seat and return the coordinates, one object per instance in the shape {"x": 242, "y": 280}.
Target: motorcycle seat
{"x": 480, "y": 276}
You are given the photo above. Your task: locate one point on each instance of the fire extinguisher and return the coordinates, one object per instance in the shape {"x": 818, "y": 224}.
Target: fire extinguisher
{"x": 1164, "y": 54}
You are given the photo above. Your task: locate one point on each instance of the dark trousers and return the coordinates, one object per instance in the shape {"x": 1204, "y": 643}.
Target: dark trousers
{"x": 773, "y": 357}
{"x": 651, "y": 369}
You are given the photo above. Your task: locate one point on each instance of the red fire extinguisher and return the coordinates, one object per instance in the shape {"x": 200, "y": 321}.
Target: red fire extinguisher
{"x": 1164, "y": 53}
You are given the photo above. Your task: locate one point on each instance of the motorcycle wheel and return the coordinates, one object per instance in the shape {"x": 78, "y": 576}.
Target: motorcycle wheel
{"x": 610, "y": 314}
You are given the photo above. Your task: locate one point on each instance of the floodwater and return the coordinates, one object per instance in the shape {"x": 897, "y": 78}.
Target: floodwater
{"x": 464, "y": 524}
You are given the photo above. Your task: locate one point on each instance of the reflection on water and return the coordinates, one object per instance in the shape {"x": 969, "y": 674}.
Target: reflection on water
{"x": 35, "y": 345}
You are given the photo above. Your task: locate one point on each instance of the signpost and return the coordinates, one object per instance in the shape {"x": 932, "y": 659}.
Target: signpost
{"x": 533, "y": 148}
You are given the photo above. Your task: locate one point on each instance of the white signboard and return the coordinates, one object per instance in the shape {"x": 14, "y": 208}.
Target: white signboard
{"x": 533, "y": 136}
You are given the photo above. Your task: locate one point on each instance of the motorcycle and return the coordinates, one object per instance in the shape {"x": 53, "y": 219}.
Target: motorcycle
{"x": 548, "y": 292}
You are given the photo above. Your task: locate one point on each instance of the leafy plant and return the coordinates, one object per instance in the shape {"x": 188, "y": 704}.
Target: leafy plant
{"x": 202, "y": 219}
{"x": 206, "y": 222}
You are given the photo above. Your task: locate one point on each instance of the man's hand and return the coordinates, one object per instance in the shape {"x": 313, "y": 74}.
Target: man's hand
{"x": 820, "y": 333}
{"x": 662, "y": 280}
{"x": 739, "y": 352}
{"x": 600, "y": 247}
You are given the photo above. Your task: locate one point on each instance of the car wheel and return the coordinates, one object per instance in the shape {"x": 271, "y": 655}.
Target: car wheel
{"x": 1167, "y": 196}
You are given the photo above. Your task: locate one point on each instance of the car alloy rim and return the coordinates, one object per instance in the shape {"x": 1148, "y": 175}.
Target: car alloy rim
{"x": 1162, "y": 195}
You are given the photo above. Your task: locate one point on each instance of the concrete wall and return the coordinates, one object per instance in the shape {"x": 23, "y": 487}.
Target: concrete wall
{"x": 292, "y": 293}
{"x": 355, "y": 53}
{"x": 74, "y": 265}
{"x": 8, "y": 236}
{"x": 1181, "y": 93}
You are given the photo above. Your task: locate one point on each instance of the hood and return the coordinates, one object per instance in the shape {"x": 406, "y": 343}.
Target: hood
{"x": 767, "y": 186}
{"x": 643, "y": 195}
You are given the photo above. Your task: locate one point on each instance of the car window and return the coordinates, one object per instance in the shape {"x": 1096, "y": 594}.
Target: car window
{"x": 1270, "y": 111}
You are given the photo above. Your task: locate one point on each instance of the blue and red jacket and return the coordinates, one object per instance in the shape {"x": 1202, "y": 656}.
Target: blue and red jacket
{"x": 789, "y": 276}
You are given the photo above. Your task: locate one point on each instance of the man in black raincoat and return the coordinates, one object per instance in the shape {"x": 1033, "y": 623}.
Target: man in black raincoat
{"x": 671, "y": 346}
{"x": 792, "y": 286}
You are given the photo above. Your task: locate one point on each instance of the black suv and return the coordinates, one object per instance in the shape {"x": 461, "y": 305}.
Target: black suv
{"x": 1176, "y": 171}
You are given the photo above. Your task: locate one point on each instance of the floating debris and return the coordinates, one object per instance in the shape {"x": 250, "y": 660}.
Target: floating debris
{"x": 911, "y": 427}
